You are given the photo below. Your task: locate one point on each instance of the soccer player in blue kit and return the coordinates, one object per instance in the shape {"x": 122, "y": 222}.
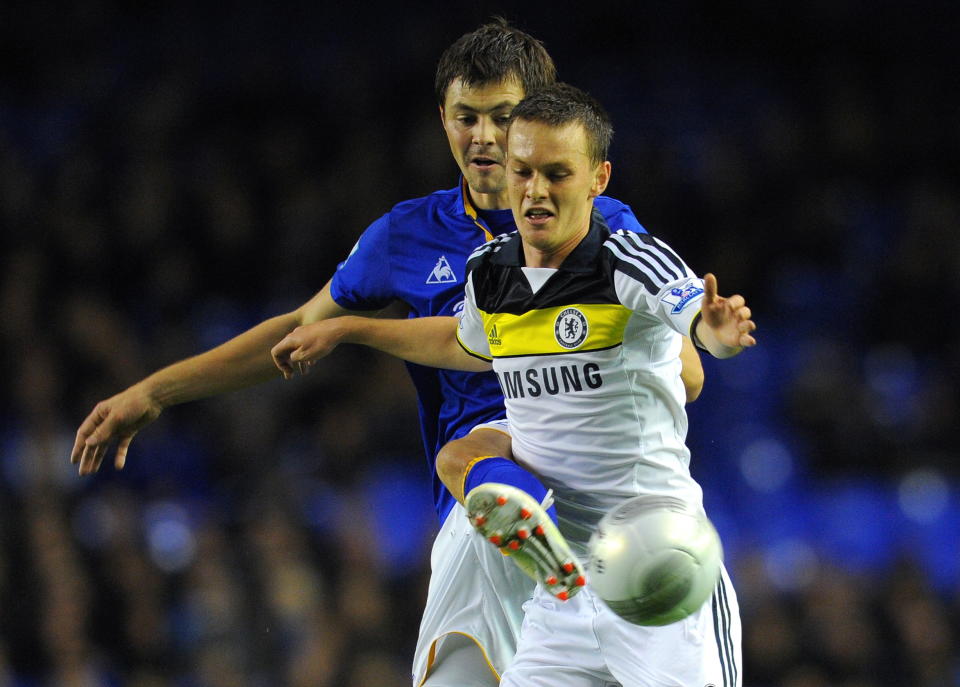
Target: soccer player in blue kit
{"x": 415, "y": 254}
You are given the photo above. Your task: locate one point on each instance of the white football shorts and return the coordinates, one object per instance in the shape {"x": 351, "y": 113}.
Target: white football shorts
{"x": 474, "y": 610}
{"x": 582, "y": 643}
{"x": 475, "y": 592}
{"x": 502, "y": 425}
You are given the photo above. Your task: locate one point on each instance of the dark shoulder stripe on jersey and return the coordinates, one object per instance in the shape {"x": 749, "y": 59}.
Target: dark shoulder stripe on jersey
{"x": 644, "y": 259}
{"x": 489, "y": 247}
{"x": 643, "y": 251}
{"x": 664, "y": 250}
{"x": 480, "y": 250}
{"x": 632, "y": 270}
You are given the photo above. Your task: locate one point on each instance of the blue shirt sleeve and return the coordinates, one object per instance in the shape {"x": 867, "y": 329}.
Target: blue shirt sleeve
{"x": 618, "y": 215}
{"x": 362, "y": 281}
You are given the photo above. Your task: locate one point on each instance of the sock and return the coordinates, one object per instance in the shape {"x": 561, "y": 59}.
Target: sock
{"x": 503, "y": 471}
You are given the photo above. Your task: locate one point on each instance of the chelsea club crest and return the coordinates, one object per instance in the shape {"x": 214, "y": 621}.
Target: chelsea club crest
{"x": 570, "y": 328}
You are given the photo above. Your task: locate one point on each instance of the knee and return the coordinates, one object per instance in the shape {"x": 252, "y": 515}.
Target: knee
{"x": 452, "y": 461}
{"x": 456, "y": 457}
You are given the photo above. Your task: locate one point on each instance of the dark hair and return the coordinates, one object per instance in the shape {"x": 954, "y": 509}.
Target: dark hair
{"x": 493, "y": 53}
{"x": 560, "y": 104}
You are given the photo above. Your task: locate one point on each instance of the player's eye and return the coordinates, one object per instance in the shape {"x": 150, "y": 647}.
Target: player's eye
{"x": 467, "y": 120}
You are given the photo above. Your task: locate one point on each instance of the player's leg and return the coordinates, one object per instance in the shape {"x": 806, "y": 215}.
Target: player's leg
{"x": 510, "y": 506}
{"x": 485, "y": 455}
{"x": 510, "y": 519}
{"x": 723, "y": 656}
{"x": 475, "y": 593}
{"x": 702, "y": 649}
{"x": 558, "y": 646}
{"x": 455, "y": 460}
{"x": 460, "y": 663}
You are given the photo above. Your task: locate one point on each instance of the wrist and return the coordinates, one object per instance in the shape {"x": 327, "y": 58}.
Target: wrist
{"x": 704, "y": 337}
{"x": 724, "y": 351}
{"x": 155, "y": 392}
{"x": 348, "y": 329}
{"x": 694, "y": 334}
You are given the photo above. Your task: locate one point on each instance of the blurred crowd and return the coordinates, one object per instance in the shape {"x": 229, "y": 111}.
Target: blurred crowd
{"x": 171, "y": 175}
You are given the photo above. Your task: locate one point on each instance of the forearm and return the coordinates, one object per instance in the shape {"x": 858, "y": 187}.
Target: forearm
{"x": 691, "y": 372}
{"x": 429, "y": 341}
{"x": 241, "y": 362}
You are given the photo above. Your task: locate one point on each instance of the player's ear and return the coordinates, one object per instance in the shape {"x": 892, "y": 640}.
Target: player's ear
{"x": 601, "y": 177}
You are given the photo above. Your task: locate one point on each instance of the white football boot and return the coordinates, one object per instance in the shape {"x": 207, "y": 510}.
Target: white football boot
{"x": 512, "y": 520}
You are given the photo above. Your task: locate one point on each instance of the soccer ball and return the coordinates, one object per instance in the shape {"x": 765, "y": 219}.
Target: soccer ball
{"x": 653, "y": 560}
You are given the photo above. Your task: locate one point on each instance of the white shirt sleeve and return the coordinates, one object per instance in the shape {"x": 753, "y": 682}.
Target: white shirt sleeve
{"x": 470, "y": 333}
{"x": 650, "y": 278}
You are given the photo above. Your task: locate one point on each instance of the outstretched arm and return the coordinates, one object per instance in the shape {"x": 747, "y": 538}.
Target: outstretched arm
{"x": 725, "y": 326}
{"x": 238, "y": 363}
{"x": 430, "y": 341}
{"x": 691, "y": 372}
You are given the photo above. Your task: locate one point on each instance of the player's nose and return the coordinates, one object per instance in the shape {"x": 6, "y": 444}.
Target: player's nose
{"x": 484, "y": 132}
{"x": 537, "y": 187}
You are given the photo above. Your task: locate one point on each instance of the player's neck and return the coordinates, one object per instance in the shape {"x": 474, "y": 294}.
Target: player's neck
{"x": 534, "y": 257}
{"x": 537, "y": 258}
{"x": 489, "y": 201}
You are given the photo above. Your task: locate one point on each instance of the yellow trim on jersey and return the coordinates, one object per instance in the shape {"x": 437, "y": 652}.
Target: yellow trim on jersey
{"x": 432, "y": 657}
{"x": 482, "y": 356}
{"x": 537, "y": 332}
{"x": 472, "y": 211}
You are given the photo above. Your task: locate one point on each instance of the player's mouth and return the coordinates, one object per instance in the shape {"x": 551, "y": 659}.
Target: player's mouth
{"x": 537, "y": 216}
{"x": 483, "y": 163}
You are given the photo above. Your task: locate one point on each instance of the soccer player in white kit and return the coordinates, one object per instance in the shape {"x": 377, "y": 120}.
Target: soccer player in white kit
{"x": 583, "y": 327}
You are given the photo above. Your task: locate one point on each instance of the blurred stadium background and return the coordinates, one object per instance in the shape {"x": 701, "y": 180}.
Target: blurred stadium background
{"x": 172, "y": 174}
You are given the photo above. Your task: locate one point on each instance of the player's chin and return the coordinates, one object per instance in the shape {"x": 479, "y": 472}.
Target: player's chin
{"x": 486, "y": 180}
{"x": 535, "y": 233}
{"x": 542, "y": 244}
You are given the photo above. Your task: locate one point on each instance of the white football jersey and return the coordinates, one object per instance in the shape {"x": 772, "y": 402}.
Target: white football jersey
{"x": 587, "y": 356}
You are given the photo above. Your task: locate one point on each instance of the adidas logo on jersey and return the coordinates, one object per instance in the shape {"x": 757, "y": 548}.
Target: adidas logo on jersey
{"x": 442, "y": 273}
{"x": 493, "y": 337}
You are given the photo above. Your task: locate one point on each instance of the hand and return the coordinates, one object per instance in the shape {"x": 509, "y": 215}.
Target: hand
{"x": 728, "y": 318}
{"x": 118, "y": 418}
{"x": 301, "y": 348}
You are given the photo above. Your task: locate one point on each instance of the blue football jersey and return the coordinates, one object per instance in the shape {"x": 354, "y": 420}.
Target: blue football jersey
{"x": 417, "y": 253}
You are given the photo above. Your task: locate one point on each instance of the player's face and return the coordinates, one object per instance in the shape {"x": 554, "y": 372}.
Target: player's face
{"x": 552, "y": 183}
{"x": 475, "y": 119}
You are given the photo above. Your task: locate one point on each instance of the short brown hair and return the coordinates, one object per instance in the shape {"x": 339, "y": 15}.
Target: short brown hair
{"x": 560, "y": 104}
{"x": 493, "y": 53}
